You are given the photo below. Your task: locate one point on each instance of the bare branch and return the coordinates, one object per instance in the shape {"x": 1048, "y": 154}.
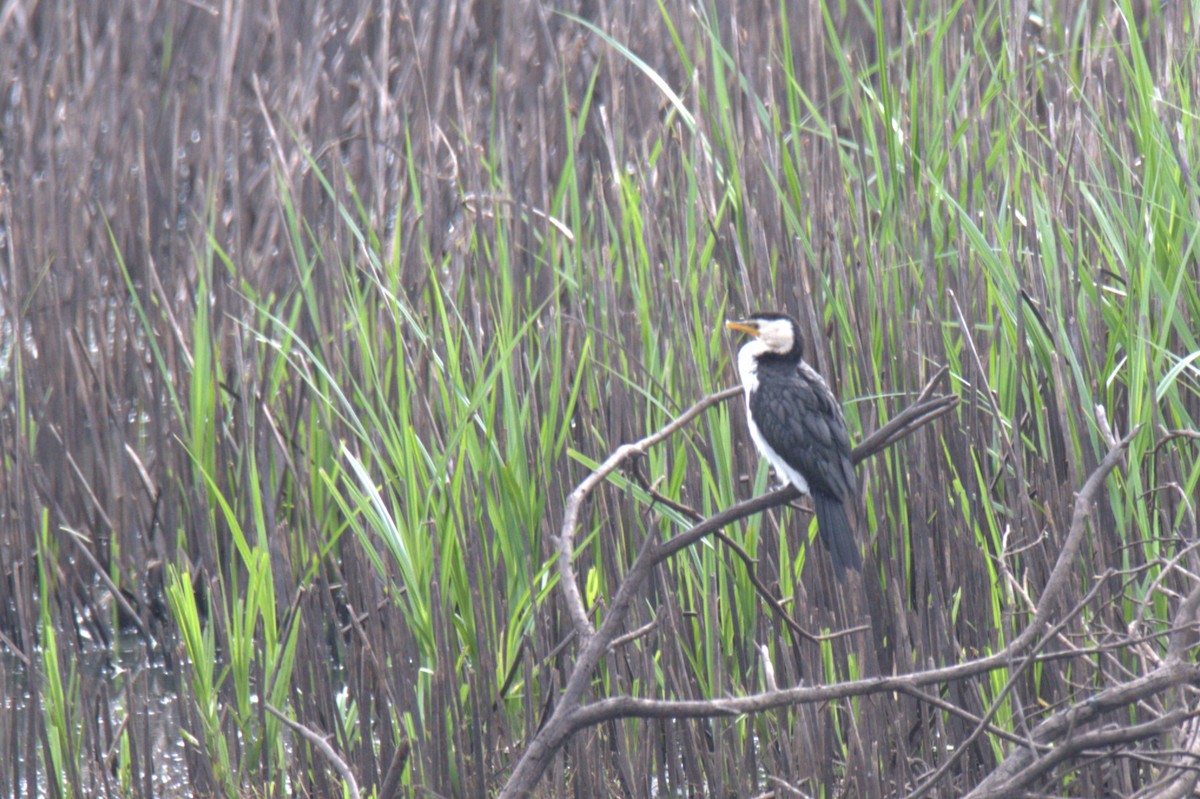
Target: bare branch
{"x": 1023, "y": 766}
{"x": 566, "y": 539}
{"x": 629, "y": 707}
{"x": 564, "y": 720}
{"x": 1181, "y": 777}
{"x": 1030, "y": 758}
{"x": 322, "y": 745}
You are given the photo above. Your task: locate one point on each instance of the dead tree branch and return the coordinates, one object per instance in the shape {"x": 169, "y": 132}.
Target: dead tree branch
{"x": 1066, "y": 734}
{"x": 565, "y": 719}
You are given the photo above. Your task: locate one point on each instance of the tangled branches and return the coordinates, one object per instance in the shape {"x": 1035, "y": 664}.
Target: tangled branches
{"x": 1071, "y": 731}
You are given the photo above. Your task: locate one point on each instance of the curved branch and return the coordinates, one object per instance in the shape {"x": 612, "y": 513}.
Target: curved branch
{"x": 1022, "y": 766}
{"x": 321, "y": 742}
{"x": 563, "y": 721}
{"x": 565, "y": 543}
{"x": 1028, "y": 760}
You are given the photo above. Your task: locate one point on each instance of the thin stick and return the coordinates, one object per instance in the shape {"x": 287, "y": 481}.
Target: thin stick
{"x": 319, "y": 741}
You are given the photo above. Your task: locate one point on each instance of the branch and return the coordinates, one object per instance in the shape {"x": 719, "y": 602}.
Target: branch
{"x": 635, "y": 707}
{"x": 1022, "y": 766}
{"x": 564, "y": 719}
{"x": 566, "y": 540}
{"x": 322, "y": 745}
{"x": 1030, "y": 759}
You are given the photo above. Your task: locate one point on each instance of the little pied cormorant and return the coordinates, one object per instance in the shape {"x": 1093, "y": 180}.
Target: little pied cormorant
{"x": 797, "y": 425}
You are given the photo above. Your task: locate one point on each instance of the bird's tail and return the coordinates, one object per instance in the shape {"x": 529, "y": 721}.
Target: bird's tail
{"x": 837, "y": 533}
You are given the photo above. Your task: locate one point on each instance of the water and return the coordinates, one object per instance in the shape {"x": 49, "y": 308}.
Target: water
{"x": 122, "y": 700}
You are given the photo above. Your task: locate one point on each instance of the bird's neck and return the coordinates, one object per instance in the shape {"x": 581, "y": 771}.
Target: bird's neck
{"x": 754, "y": 354}
{"x": 789, "y": 358}
{"x": 748, "y": 357}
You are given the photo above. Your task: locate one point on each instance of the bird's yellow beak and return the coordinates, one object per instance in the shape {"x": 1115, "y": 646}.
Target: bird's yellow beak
{"x": 743, "y": 327}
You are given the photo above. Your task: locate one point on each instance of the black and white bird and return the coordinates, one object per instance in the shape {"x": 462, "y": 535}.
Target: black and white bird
{"x": 797, "y": 425}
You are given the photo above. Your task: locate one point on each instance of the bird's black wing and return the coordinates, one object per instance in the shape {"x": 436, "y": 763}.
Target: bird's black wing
{"x": 799, "y": 417}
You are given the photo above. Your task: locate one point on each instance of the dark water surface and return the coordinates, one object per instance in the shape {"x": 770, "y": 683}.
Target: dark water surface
{"x": 127, "y": 692}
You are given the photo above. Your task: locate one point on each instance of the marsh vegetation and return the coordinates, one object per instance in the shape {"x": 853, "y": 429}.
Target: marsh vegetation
{"x": 313, "y": 316}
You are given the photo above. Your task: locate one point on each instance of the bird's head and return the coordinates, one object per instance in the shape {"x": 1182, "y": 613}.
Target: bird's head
{"x": 778, "y": 333}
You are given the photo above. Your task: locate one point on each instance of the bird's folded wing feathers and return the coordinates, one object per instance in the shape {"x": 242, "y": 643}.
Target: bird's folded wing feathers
{"x": 804, "y": 425}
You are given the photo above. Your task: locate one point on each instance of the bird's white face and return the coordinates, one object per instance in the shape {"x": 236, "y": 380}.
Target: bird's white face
{"x": 777, "y": 335}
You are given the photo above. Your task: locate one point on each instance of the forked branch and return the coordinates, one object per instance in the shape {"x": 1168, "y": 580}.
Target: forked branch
{"x": 568, "y": 714}
{"x": 1066, "y": 733}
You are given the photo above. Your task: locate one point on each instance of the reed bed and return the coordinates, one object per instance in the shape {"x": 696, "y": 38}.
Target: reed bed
{"x": 312, "y": 316}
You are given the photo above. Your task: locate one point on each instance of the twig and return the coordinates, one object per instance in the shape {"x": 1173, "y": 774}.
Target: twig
{"x": 1021, "y": 768}
{"x": 319, "y": 741}
{"x": 1183, "y": 773}
{"x": 998, "y": 701}
{"x": 566, "y": 540}
{"x": 763, "y": 592}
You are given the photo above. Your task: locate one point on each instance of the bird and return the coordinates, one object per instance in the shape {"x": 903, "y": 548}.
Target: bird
{"x": 796, "y": 423}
